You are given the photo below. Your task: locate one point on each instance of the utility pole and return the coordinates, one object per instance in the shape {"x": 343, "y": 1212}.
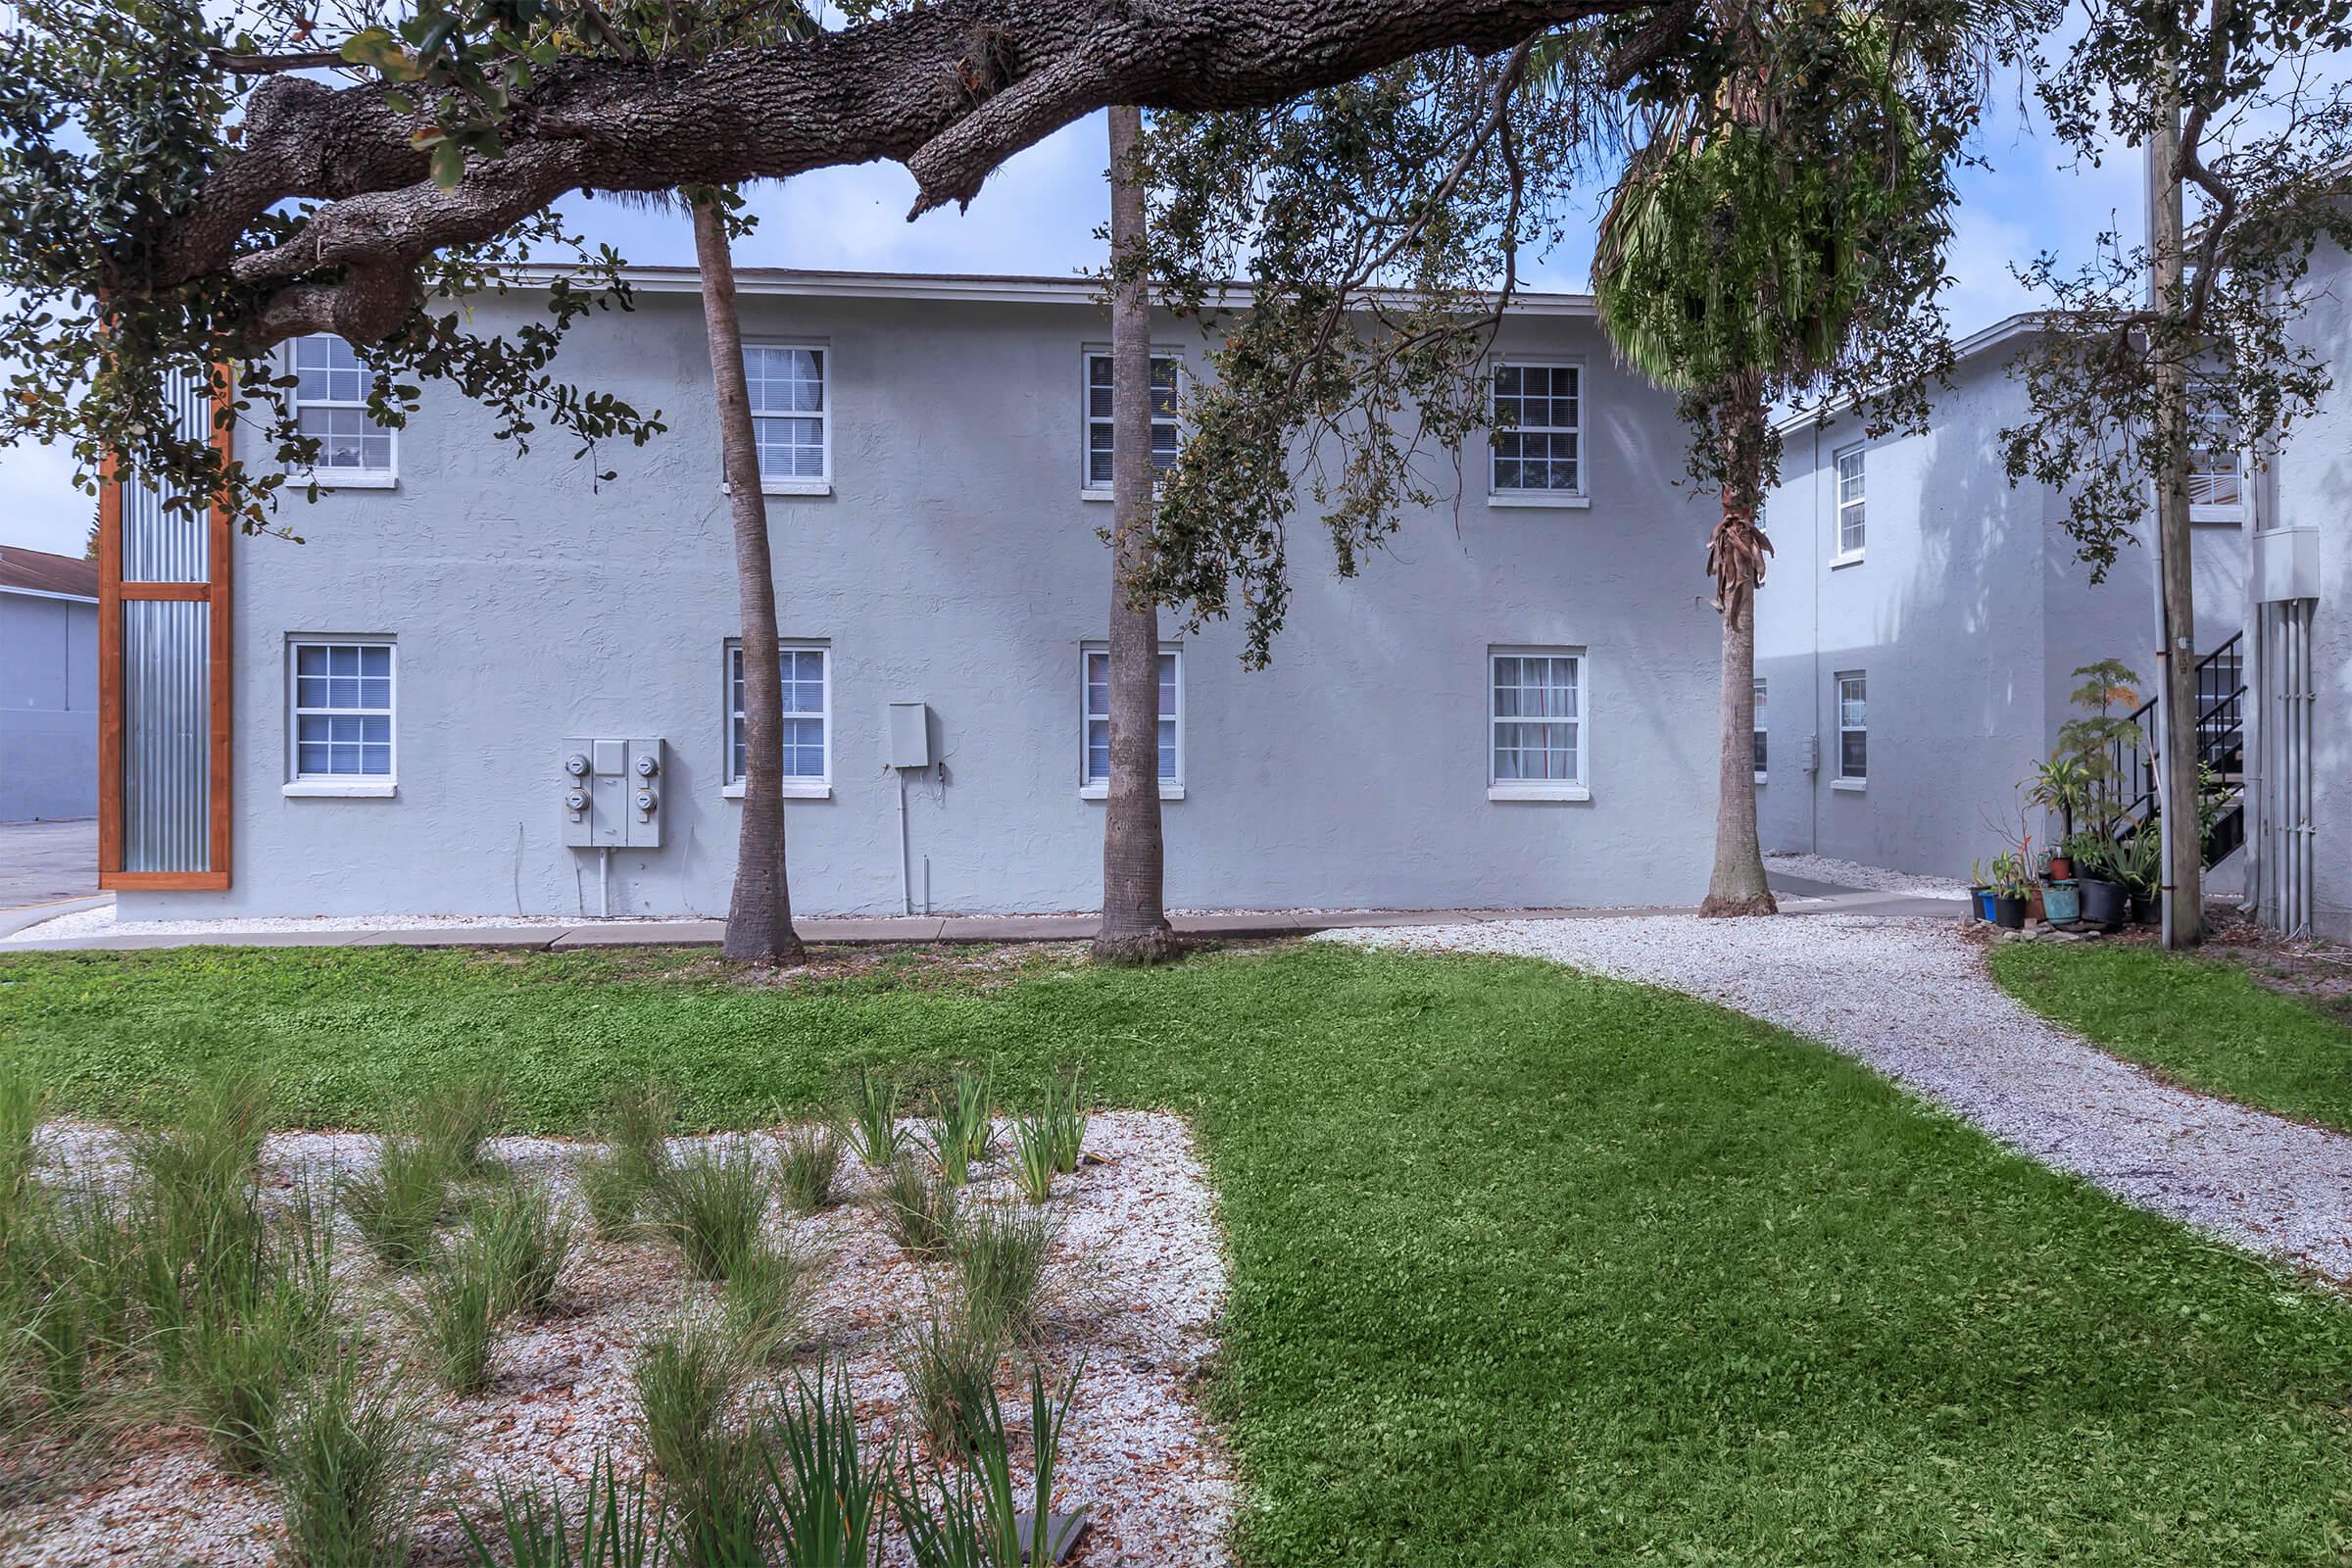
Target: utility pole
{"x": 2176, "y": 792}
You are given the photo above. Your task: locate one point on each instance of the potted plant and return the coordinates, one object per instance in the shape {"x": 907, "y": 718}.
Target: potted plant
{"x": 2104, "y": 899}
{"x": 2061, "y": 785}
{"x": 2012, "y": 886}
{"x": 1980, "y": 889}
{"x": 2138, "y": 861}
{"x": 2061, "y": 898}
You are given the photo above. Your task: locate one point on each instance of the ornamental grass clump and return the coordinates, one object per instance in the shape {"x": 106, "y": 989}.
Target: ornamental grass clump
{"x": 688, "y": 1378}
{"x": 349, "y": 1465}
{"x": 825, "y": 1501}
{"x": 872, "y": 1121}
{"x": 526, "y": 1238}
{"x": 1034, "y": 1160}
{"x": 457, "y": 1118}
{"x": 1001, "y": 1251}
{"x": 917, "y": 1209}
{"x": 963, "y": 1128}
{"x": 808, "y": 1168}
{"x": 611, "y": 1191}
{"x": 711, "y": 1205}
{"x": 456, "y": 1310}
{"x": 399, "y": 1204}
{"x": 767, "y": 1297}
{"x": 249, "y": 1336}
{"x": 198, "y": 1184}
{"x": 638, "y": 1122}
{"x": 958, "y": 1524}
{"x": 948, "y": 1358}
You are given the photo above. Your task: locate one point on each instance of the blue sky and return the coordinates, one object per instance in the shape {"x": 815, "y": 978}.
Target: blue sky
{"x": 1039, "y": 215}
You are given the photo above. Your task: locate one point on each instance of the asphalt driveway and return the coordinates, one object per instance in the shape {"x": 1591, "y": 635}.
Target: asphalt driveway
{"x": 42, "y": 863}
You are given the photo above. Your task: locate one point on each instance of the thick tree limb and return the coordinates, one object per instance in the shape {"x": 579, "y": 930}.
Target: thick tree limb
{"x": 950, "y": 90}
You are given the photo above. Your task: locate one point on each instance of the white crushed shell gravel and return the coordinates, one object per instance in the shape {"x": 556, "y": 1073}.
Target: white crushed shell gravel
{"x": 1911, "y": 999}
{"x": 1135, "y": 1291}
{"x": 1854, "y": 874}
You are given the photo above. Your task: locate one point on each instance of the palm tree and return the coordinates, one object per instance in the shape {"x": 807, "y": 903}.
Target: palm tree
{"x": 1729, "y": 267}
{"x": 1134, "y": 923}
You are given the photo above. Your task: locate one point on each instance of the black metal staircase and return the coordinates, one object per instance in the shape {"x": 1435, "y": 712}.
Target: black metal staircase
{"x": 2220, "y": 689}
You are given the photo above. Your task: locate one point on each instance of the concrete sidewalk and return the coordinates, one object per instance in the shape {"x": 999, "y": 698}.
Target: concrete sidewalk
{"x": 1805, "y": 899}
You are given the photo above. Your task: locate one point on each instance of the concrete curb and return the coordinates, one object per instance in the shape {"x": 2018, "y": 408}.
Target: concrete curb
{"x": 16, "y": 919}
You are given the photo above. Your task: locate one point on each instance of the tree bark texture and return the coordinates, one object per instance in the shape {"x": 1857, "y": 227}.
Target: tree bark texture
{"x": 2183, "y": 886}
{"x": 1736, "y": 555}
{"x": 1135, "y": 925}
{"x": 948, "y": 89}
{"x": 760, "y": 908}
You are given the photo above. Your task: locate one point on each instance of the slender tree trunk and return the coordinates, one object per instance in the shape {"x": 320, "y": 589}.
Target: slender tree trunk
{"x": 1735, "y": 554}
{"x": 760, "y": 910}
{"x": 1135, "y": 925}
{"x": 2183, "y": 875}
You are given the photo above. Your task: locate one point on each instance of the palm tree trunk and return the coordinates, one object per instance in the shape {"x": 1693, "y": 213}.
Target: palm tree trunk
{"x": 1135, "y": 925}
{"x": 760, "y": 910}
{"x": 1736, "y": 554}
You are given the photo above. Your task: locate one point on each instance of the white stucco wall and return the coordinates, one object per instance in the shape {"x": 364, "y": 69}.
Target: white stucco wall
{"x": 956, "y": 564}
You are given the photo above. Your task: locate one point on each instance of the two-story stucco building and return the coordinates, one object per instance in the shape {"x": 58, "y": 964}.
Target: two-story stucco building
{"x": 1511, "y": 706}
{"x": 1921, "y": 621}
{"x": 48, "y": 686}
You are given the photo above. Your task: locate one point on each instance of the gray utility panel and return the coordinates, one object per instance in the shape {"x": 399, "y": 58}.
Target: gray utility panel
{"x": 612, "y": 794}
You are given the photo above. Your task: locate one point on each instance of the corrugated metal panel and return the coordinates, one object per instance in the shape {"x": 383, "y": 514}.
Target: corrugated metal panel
{"x": 161, "y": 545}
{"x": 167, "y": 736}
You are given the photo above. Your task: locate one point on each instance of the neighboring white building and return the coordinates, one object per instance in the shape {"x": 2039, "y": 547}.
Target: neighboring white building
{"x": 1921, "y": 621}
{"x": 48, "y": 686}
{"x": 1511, "y": 706}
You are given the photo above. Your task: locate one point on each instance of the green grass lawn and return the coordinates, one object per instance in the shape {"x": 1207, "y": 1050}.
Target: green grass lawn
{"x": 1530, "y": 1267}
{"x": 2199, "y": 1022}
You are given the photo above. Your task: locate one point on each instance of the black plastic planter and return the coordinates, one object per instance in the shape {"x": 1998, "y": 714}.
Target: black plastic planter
{"x": 2103, "y": 904}
{"x": 2146, "y": 910}
{"x": 2009, "y": 914}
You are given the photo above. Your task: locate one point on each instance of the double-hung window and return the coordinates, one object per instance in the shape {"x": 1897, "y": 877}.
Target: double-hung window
{"x": 1536, "y": 724}
{"x": 1756, "y": 727}
{"x": 1166, "y": 379}
{"x": 1537, "y": 451}
{"x": 341, "y": 716}
{"x": 330, "y": 408}
{"x": 1850, "y": 507}
{"x": 807, "y": 692}
{"x": 791, "y": 416}
{"x": 1853, "y": 728}
{"x": 1094, "y": 779}
{"x": 2217, "y": 490}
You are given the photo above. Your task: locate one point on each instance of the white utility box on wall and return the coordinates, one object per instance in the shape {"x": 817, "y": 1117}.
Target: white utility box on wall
{"x": 910, "y": 735}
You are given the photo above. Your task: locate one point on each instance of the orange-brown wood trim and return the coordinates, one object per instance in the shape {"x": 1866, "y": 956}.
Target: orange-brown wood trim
{"x": 164, "y": 881}
{"x": 224, "y": 684}
{"x": 110, "y": 671}
{"x": 188, "y": 592}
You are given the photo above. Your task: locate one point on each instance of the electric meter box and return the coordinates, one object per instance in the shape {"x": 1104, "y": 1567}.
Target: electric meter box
{"x": 611, "y": 793}
{"x": 910, "y": 735}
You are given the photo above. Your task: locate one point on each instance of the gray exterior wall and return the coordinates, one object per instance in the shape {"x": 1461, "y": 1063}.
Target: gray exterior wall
{"x": 1968, "y": 613}
{"x": 48, "y": 708}
{"x": 2314, "y": 489}
{"x": 956, "y": 563}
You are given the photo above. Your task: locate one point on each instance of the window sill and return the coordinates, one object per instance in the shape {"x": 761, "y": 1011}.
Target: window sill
{"x": 1854, "y": 785}
{"x": 1102, "y": 791}
{"x": 786, "y": 487}
{"x": 2234, "y": 516}
{"x": 338, "y": 479}
{"x": 328, "y": 789}
{"x": 1537, "y": 792}
{"x": 1838, "y": 562}
{"x": 1090, "y": 492}
{"x": 1566, "y": 501}
{"x": 794, "y": 790}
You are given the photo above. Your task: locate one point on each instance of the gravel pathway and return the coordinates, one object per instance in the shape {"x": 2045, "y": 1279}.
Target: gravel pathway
{"x": 1912, "y": 999}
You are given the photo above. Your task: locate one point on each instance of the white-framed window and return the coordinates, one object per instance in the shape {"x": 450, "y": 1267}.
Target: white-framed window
{"x": 1094, "y": 767}
{"x": 331, "y": 407}
{"x": 807, "y": 703}
{"x": 1762, "y": 741}
{"x": 1850, "y": 507}
{"x": 1853, "y": 728}
{"x": 340, "y": 709}
{"x": 1536, "y": 724}
{"x": 2217, "y": 485}
{"x": 792, "y": 414}
{"x": 1538, "y": 445}
{"x": 1167, "y": 379}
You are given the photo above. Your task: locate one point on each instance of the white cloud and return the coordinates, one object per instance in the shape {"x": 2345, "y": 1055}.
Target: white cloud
{"x": 39, "y": 508}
